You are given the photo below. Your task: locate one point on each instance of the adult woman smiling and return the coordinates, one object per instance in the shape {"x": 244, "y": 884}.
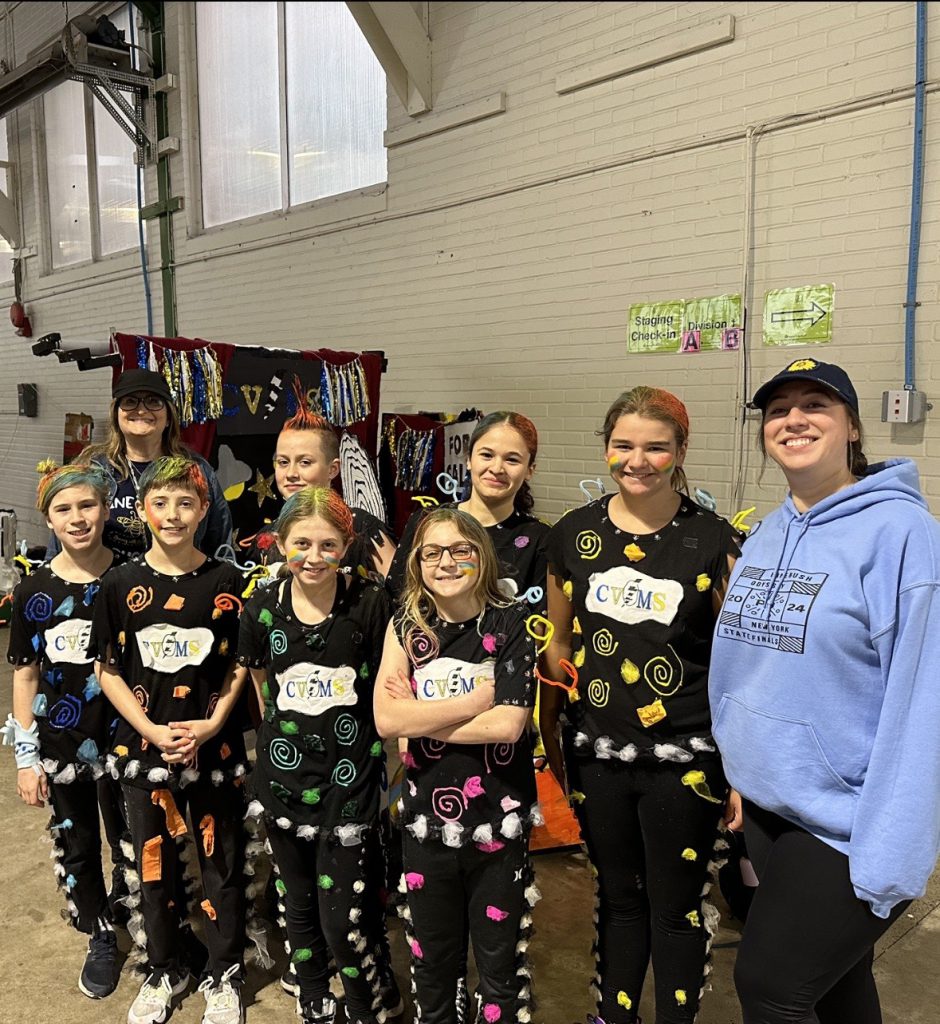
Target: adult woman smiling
{"x": 144, "y": 425}
{"x": 826, "y": 708}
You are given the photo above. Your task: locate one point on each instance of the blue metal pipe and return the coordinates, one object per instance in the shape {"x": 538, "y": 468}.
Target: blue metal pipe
{"x": 917, "y": 194}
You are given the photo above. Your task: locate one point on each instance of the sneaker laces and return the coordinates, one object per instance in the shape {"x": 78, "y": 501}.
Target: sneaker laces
{"x": 221, "y": 995}
{"x": 102, "y": 945}
{"x": 158, "y": 991}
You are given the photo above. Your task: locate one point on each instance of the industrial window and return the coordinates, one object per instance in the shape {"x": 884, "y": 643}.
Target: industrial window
{"x": 90, "y": 174}
{"x": 291, "y": 107}
{"x": 6, "y": 184}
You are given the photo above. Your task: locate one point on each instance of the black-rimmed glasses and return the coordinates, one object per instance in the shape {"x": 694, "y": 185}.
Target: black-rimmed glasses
{"x": 152, "y": 403}
{"x": 433, "y": 553}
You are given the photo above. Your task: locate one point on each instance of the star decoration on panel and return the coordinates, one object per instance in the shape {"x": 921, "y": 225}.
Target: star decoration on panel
{"x": 262, "y": 487}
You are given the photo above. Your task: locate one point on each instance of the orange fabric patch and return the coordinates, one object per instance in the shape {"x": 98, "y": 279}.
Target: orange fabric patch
{"x": 174, "y": 821}
{"x": 209, "y": 909}
{"x": 208, "y": 834}
{"x": 174, "y": 603}
{"x": 180, "y": 691}
{"x": 151, "y": 861}
{"x": 225, "y": 751}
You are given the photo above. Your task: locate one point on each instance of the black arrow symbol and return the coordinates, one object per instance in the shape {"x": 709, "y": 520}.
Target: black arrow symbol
{"x": 795, "y": 316}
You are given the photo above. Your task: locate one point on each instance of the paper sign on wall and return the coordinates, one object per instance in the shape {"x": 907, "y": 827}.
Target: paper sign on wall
{"x": 799, "y": 316}
{"x": 686, "y": 326}
{"x": 457, "y": 451}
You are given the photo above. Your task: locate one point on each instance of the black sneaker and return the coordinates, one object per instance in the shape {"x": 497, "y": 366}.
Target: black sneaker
{"x": 100, "y": 972}
{"x": 317, "y": 1011}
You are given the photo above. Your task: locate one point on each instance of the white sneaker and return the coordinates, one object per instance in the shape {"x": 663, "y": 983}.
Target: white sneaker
{"x": 154, "y": 1002}
{"x": 223, "y": 999}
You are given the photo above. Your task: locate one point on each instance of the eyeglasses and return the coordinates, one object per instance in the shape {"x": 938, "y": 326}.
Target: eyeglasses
{"x": 152, "y": 403}
{"x": 433, "y": 553}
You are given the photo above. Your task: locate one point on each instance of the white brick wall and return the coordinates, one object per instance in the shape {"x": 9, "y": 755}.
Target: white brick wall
{"x": 501, "y": 270}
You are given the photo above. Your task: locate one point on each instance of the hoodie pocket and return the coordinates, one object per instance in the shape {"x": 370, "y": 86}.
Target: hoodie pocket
{"x": 779, "y": 764}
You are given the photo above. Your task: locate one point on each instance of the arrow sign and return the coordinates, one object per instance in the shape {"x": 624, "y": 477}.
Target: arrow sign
{"x": 799, "y": 316}
{"x": 795, "y": 316}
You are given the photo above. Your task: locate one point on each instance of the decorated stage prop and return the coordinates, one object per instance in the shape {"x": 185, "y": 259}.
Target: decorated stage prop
{"x": 233, "y": 401}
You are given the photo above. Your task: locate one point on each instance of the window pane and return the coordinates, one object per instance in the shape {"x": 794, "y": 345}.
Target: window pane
{"x": 335, "y": 103}
{"x": 117, "y": 172}
{"x": 6, "y": 251}
{"x": 67, "y": 171}
{"x": 239, "y": 128}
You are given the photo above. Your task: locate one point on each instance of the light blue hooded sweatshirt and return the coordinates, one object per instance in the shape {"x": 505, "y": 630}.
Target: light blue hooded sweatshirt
{"x": 825, "y": 678}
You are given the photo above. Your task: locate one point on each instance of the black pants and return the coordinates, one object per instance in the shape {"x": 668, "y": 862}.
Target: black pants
{"x": 77, "y": 851}
{"x": 325, "y": 893}
{"x": 222, "y": 870}
{"x": 807, "y": 949}
{"x": 452, "y": 889}
{"x": 650, "y": 839}
{"x": 111, "y": 805}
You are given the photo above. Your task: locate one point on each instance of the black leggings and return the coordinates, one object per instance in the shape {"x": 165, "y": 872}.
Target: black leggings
{"x": 450, "y": 891}
{"x": 807, "y": 949}
{"x": 325, "y": 896}
{"x": 77, "y": 851}
{"x": 651, "y": 839}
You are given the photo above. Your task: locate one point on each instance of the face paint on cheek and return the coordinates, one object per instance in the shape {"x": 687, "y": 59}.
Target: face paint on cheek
{"x": 331, "y": 561}
{"x": 151, "y": 518}
{"x": 467, "y": 568}
{"x": 296, "y": 558}
{"x": 662, "y": 462}
{"x": 614, "y": 463}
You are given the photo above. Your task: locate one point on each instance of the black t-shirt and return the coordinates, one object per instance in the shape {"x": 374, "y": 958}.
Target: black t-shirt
{"x": 50, "y": 627}
{"x": 359, "y": 559}
{"x": 519, "y": 541}
{"x": 173, "y": 640}
{"x": 125, "y": 532}
{"x": 319, "y": 758}
{"x": 473, "y": 792}
{"x": 643, "y": 632}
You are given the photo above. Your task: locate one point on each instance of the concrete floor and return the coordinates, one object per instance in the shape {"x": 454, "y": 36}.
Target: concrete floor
{"x": 40, "y": 957}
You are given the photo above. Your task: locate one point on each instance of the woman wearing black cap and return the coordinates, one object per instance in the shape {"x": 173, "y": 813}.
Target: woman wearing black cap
{"x": 144, "y": 425}
{"x": 825, "y": 706}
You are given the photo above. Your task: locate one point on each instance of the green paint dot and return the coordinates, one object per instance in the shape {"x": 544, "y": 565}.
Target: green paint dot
{"x": 376, "y": 749}
{"x": 266, "y": 618}
{"x": 281, "y": 887}
{"x": 310, "y": 796}
{"x": 281, "y": 792}
{"x": 290, "y": 728}
{"x": 325, "y": 882}
{"x": 299, "y": 955}
{"x": 351, "y": 972}
{"x": 364, "y": 671}
{"x": 265, "y": 690}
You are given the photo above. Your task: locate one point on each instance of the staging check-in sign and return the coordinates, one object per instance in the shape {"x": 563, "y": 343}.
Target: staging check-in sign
{"x": 686, "y": 325}
{"x": 799, "y": 316}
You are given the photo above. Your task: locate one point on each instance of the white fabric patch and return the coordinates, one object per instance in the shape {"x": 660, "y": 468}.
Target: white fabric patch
{"x": 312, "y": 689}
{"x": 630, "y": 596}
{"x": 167, "y": 648}
{"x": 68, "y": 642}
{"x": 449, "y": 677}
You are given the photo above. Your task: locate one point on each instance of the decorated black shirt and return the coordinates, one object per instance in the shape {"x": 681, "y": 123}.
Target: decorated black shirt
{"x": 644, "y": 617}
{"x": 50, "y": 627}
{"x": 173, "y": 640}
{"x": 472, "y": 792}
{"x": 359, "y": 560}
{"x": 519, "y": 541}
{"x": 319, "y": 758}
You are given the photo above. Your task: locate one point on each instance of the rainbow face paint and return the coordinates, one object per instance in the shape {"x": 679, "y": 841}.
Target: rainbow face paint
{"x": 615, "y": 463}
{"x": 467, "y": 568}
{"x": 296, "y": 558}
{"x": 151, "y": 518}
{"x": 662, "y": 462}
{"x": 330, "y": 560}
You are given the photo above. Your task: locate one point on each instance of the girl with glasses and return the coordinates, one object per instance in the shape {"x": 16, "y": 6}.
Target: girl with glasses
{"x": 456, "y": 681}
{"x": 635, "y": 583}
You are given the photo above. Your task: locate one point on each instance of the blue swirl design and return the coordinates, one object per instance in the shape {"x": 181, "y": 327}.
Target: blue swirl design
{"x": 346, "y": 729}
{"x": 64, "y": 714}
{"x": 278, "y": 642}
{"x": 284, "y": 754}
{"x": 344, "y": 773}
{"x": 38, "y": 608}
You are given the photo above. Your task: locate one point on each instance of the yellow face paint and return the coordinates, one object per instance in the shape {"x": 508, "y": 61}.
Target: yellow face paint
{"x": 331, "y": 560}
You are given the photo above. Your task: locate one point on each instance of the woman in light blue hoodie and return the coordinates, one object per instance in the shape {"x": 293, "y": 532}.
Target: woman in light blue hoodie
{"x": 825, "y": 706}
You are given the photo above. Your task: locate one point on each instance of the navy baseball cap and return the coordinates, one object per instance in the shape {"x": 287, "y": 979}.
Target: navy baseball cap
{"x": 131, "y": 381}
{"x": 828, "y": 374}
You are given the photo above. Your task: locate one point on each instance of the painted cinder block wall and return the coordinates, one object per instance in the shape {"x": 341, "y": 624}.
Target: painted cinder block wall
{"x": 498, "y": 266}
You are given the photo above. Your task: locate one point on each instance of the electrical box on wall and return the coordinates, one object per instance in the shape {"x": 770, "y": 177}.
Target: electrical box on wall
{"x": 28, "y": 398}
{"x": 903, "y": 406}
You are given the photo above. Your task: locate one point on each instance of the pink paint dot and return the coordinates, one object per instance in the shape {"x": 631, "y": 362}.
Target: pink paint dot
{"x": 491, "y": 847}
{"x": 492, "y": 1013}
{"x": 489, "y": 643}
{"x": 495, "y": 914}
{"x": 408, "y": 760}
{"x": 473, "y": 787}
{"x": 414, "y": 880}
{"x": 521, "y": 542}
{"x": 416, "y": 949}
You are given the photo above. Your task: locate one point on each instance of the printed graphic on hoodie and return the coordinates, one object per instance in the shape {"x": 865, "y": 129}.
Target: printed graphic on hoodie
{"x": 770, "y": 607}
